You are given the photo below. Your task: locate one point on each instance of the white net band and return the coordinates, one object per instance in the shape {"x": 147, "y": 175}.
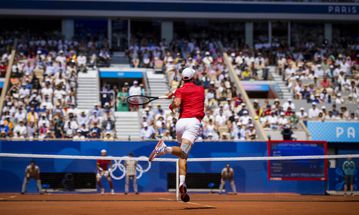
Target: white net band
{"x": 81, "y": 157}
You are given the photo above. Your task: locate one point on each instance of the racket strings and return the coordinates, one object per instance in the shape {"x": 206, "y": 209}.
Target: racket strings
{"x": 138, "y": 100}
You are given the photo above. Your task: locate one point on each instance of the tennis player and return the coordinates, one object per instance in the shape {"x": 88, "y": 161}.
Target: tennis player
{"x": 190, "y": 101}
{"x": 103, "y": 171}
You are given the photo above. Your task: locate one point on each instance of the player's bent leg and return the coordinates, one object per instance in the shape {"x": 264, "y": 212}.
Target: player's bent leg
{"x": 24, "y": 185}
{"x": 221, "y": 186}
{"x": 233, "y": 186}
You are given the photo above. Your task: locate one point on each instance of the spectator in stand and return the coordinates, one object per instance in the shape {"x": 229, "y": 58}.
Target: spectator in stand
{"x": 287, "y": 132}
{"x": 135, "y": 89}
{"x": 122, "y": 104}
{"x": 95, "y": 131}
{"x": 147, "y": 132}
{"x": 313, "y": 112}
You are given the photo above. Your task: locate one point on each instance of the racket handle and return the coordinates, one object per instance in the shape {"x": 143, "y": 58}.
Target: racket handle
{"x": 163, "y": 97}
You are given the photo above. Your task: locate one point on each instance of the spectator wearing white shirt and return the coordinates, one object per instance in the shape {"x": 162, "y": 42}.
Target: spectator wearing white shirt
{"x": 20, "y": 115}
{"x": 339, "y": 100}
{"x": 147, "y": 132}
{"x": 70, "y": 126}
{"x": 302, "y": 115}
{"x": 272, "y": 121}
{"x": 20, "y": 130}
{"x": 135, "y": 89}
{"x": 287, "y": 104}
{"x": 313, "y": 112}
{"x": 47, "y": 90}
{"x": 220, "y": 119}
{"x": 282, "y": 120}
{"x": 82, "y": 118}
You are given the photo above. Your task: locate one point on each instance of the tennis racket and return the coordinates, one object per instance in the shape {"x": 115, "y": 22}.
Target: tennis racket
{"x": 142, "y": 100}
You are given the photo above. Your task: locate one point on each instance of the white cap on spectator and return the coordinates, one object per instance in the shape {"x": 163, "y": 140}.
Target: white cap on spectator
{"x": 233, "y": 54}
{"x": 256, "y": 100}
{"x": 103, "y": 151}
{"x": 188, "y": 73}
{"x": 250, "y": 125}
{"x": 107, "y": 104}
{"x": 207, "y": 53}
{"x": 289, "y": 100}
{"x": 144, "y": 124}
{"x": 282, "y": 113}
{"x": 339, "y": 94}
{"x": 212, "y": 82}
{"x": 302, "y": 108}
{"x": 135, "y": 82}
{"x": 313, "y": 103}
{"x": 210, "y": 134}
{"x": 323, "y": 107}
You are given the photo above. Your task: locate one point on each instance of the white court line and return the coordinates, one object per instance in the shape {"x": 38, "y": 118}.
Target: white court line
{"x": 194, "y": 203}
{"x": 166, "y": 199}
{"x": 8, "y": 197}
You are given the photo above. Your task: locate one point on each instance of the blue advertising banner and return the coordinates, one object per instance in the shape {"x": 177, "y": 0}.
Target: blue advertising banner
{"x": 256, "y": 87}
{"x": 334, "y": 131}
{"x": 250, "y": 176}
{"x": 121, "y": 74}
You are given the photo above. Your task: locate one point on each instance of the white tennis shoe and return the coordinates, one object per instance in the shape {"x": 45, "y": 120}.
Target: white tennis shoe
{"x": 158, "y": 151}
{"x": 102, "y": 191}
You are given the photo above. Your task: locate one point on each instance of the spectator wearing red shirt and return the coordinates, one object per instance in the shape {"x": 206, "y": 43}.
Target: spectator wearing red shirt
{"x": 190, "y": 100}
{"x": 104, "y": 171}
{"x": 325, "y": 83}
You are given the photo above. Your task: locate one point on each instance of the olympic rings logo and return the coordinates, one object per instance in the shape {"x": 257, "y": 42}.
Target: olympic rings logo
{"x": 121, "y": 166}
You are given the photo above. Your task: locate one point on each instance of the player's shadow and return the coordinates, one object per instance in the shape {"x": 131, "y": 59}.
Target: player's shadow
{"x": 198, "y": 208}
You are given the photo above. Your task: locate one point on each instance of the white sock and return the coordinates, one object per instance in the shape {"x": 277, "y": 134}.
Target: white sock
{"x": 168, "y": 150}
{"x": 182, "y": 179}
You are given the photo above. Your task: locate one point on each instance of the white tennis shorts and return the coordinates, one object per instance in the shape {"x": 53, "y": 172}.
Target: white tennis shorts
{"x": 101, "y": 174}
{"x": 188, "y": 128}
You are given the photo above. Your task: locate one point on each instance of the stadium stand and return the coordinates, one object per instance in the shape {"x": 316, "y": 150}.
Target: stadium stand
{"x": 41, "y": 102}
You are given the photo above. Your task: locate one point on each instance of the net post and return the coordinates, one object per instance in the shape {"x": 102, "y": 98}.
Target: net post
{"x": 177, "y": 180}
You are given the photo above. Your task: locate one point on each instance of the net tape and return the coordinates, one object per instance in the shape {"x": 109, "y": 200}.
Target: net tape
{"x": 143, "y": 158}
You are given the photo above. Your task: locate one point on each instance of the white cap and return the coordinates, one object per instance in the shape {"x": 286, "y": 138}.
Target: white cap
{"x": 103, "y": 151}
{"x": 145, "y": 124}
{"x": 302, "y": 108}
{"x": 313, "y": 103}
{"x": 188, "y": 73}
{"x": 323, "y": 107}
{"x": 207, "y": 53}
{"x": 135, "y": 82}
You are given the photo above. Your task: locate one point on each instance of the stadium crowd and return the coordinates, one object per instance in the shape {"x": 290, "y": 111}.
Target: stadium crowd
{"x": 41, "y": 102}
{"x": 227, "y": 117}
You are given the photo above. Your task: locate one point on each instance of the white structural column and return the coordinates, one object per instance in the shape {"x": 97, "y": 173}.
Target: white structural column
{"x": 249, "y": 33}
{"x": 167, "y": 31}
{"x": 68, "y": 28}
{"x": 328, "y": 32}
